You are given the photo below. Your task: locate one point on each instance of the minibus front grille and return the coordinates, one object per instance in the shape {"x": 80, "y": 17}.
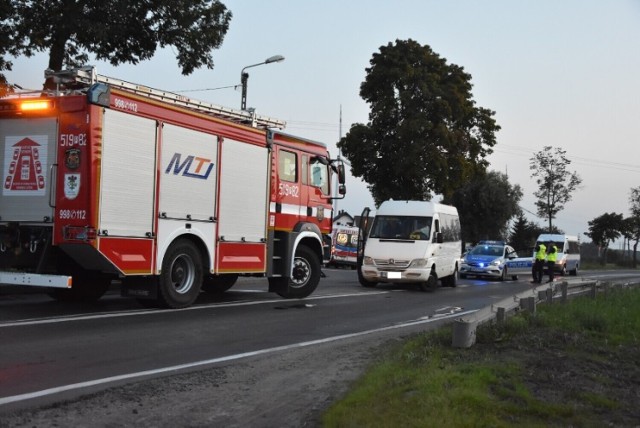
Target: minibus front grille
{"x": 392, "y": 263}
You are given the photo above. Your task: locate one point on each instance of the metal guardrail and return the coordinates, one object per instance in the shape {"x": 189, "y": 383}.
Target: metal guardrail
{"x": 464, "y": 328}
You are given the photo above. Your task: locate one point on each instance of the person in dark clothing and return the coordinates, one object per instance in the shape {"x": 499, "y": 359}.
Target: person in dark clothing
{"x": 538, "y": 263}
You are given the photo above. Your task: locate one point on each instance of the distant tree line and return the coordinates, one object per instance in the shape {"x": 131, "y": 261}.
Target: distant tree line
{"x": 609, "y": 227}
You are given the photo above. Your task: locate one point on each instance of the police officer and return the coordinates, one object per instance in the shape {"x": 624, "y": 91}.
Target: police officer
{"x": 552, "y": 256}
{"x": 538, "y": 263}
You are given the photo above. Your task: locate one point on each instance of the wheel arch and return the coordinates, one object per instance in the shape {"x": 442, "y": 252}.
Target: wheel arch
{"x": 199, "y": 243}
{"x": 309, "y": 235}
{"x": 311, "y": 241}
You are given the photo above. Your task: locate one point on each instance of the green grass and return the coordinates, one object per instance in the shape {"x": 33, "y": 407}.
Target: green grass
{"x": 567, "y": 365}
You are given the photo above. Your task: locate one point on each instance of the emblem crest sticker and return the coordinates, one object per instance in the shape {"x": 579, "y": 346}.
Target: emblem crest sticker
{"x": 72, "y": 158}
{"x": 71, "y": 185}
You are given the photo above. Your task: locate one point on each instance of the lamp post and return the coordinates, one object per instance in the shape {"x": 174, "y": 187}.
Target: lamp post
{"x": 244, "y": 77}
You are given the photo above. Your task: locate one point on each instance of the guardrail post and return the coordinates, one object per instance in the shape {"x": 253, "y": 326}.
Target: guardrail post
{"x": 549, "y": 295}
{"x": 594, "y": 289}
{"x": 501, "y": 315}
{"x": 528, "y": 304}
{"x": 565, "y": 288}
{"x": 464, "y": 333}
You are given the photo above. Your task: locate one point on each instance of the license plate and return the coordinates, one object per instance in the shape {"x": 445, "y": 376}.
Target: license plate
{"x": 392, "y": 275}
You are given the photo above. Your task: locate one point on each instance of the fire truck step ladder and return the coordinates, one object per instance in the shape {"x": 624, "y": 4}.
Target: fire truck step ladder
{"x": 88, "y": 76}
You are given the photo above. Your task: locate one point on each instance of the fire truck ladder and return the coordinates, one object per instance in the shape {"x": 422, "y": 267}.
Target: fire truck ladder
{"x": 89, "y": 76}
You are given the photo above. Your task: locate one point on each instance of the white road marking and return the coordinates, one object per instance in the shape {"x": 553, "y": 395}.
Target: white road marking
{"x": 69, "y": 318}
{"x": 129, "y": 376}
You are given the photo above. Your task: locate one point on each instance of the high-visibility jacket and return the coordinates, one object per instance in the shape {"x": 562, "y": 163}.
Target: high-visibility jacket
{"x": 541, "y": 254}
{"x": 552, "y": 256}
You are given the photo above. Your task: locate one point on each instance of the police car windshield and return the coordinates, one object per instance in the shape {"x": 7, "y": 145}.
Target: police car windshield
{"x": 487, "y": 250}
{"x": 401, "y": 227}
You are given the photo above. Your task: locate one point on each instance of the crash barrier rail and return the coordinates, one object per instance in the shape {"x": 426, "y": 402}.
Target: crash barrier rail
{"x": 464, "y": 328}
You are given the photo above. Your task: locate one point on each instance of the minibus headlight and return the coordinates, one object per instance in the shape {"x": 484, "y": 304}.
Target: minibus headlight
{"x": 418, "y": 263}
{"x": 367, "y": 261}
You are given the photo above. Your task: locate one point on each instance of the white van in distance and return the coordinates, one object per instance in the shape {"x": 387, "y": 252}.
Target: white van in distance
{"x": 568, "y": 252}
{"x": 412, "y": 242}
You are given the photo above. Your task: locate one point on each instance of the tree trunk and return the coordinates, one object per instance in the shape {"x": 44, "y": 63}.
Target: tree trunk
{"x": 56, "y": 59}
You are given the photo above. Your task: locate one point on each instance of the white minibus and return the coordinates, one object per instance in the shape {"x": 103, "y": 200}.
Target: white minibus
{"x": 568, "y": 259}
{"x": 412, "y": 242}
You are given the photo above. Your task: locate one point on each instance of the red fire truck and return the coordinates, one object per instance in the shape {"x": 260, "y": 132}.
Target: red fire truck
{"x": 108, "y": 180}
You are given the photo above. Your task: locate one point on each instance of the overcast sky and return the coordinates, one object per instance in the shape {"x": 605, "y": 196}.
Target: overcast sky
{"x": 563, "y": 73}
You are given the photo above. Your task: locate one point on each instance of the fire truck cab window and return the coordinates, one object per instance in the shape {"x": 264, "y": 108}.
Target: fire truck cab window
{"x": 319, "y": 176}
{"x": 287, "y": 166}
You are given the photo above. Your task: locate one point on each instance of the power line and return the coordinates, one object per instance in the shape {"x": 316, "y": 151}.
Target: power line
{"x": 521, "y": 151}
{"x": 207, "y": 89}
{"x": 507, "y": 149}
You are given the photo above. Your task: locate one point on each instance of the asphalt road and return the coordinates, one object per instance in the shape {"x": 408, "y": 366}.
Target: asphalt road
{"x": 52, "y": 351}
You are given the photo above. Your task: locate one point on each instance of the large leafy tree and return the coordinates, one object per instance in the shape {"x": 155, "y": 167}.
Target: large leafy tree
{"x": 425, "y": 133}
{"x": 6, "y": 36}
{"x": 486, "y": 205}
{"x": 603, "y": 230}
{"x": 118, "y": 31}
{"x": 555, "y": 184}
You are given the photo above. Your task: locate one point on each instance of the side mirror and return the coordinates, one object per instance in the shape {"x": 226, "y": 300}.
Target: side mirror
{"x": 341, "y": 174}
{"x": 321, "y": 160}
{"x": 439, "y": 238}
{"x": 342, "y": 190}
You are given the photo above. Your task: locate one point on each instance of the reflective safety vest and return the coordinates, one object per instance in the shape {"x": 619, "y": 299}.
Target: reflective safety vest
{"x": 541, "y": 254}
{"x": 553, "y": 254}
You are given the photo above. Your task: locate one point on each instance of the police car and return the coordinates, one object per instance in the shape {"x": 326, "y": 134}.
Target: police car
{"x": 488, "y": 259}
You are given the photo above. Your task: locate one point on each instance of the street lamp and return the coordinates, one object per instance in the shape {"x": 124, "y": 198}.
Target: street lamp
{"x": 244, "y": 77}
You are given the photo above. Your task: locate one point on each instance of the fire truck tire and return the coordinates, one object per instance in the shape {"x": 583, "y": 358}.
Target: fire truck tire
{"x": 181, "y": 277}
{"x": 305, "y": 275}
{"x": 86, "y": 288}
{"x": 218, "y": 283}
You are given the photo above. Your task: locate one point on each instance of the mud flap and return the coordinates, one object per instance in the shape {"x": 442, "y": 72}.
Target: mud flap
{"x": 278, "y": 284}
{"x": 140, "y": 287}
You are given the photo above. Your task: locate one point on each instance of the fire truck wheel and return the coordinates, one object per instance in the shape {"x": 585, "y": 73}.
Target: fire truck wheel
{"x": 86, "y": 288}
{"x": 181, "y": 276}
{"x": 305, "y": 275}
{"x": 218, "y": 283}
